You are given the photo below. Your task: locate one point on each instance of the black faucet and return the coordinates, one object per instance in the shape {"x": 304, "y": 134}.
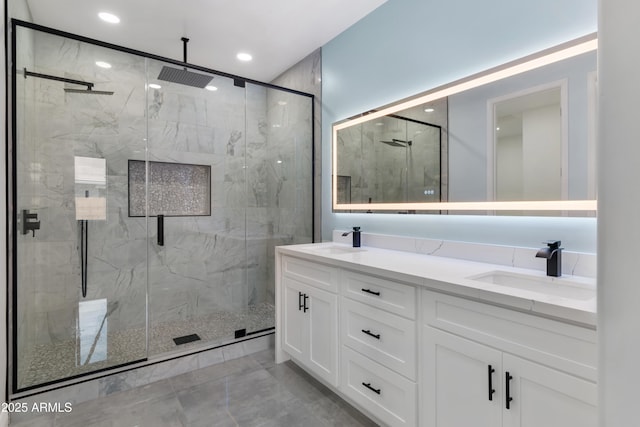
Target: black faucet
{"x": 356, "y": 236}
{"x": 553, "y": 254}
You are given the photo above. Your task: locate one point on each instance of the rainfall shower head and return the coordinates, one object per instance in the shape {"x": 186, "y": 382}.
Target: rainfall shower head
{"x": 88, "y": 91}
{"x": 398, "y": 143}
{"x": 182, "y": 75}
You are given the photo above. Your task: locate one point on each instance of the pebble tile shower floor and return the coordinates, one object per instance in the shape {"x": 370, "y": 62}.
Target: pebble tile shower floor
{"x": 245, "y": 392}
{"x": 50, "y": 362}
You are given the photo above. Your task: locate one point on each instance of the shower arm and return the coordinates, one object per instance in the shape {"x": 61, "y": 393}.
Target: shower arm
{"x": 89, "y": 85}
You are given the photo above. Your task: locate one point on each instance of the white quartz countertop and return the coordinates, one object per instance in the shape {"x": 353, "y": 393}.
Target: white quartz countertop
{"x": 570, "y": 298}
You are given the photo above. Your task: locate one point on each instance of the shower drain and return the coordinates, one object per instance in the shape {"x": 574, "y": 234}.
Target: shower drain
{"x": 186, "y": 339}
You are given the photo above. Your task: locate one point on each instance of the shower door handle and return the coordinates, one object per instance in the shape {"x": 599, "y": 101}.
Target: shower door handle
{"x": 160, "y": 230}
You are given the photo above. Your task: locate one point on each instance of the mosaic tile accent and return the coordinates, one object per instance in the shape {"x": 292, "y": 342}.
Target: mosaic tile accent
{"x": 175, "y": 189}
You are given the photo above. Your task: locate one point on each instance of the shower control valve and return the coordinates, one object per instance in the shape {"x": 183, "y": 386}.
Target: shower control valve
{"x": 30, "y": 222}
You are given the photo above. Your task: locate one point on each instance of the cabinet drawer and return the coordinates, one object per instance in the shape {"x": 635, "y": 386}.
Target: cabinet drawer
{"x": 391, "y": 296}
{"x": 567, "y": 347}
{"x": 384, "y": 337}
{"x": 311, "y": 273}
{"x": 387, "y": 395}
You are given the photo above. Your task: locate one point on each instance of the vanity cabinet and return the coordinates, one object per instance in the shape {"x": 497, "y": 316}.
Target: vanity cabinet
{"x": 416, "y": 354}
{"x": 481, "y": 356}
{"x": 310, "y": 317}
{"x": 378, "y": 356}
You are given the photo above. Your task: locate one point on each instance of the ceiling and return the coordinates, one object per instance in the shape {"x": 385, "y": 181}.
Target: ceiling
{"x": 277, "y": 33}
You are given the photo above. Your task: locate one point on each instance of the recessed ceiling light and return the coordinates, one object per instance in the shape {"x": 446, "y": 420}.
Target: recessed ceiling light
{"x": 429, "y": 110}
{"x": 103, "y": 64}
{"x": 243, "y": 56}
{"x": 154, "y": 86}
{"x": 498, "y": 128}
{"x": 109, "y": 17}
{"x": 211, "y": 88}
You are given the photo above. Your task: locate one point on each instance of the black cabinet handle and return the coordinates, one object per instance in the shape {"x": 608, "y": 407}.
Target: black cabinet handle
{"x": 491, "y": 389}
{"x": 160, "y": 230}
{"x": 368, "y": 332}
{"x": 300, "y": 303}
{"x": 508, "y": 393}
{"x": 368, "y": 385}
{"x": 305, "y": 307}
{"x": 369, "y": 291}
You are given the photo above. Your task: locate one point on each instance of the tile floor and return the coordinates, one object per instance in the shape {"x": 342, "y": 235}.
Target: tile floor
{"x": 250, "y": 391}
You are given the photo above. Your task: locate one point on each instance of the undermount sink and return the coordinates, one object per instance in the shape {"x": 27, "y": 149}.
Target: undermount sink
{"x": 555, "y": 286}
{"x": 336, "y": 250}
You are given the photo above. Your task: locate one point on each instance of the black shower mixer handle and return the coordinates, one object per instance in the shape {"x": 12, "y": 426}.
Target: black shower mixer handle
{"x": 30, "y": 222}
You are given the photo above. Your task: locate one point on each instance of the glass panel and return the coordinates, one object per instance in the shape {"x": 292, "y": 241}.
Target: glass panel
{"x": 198, "y": 277}
{"x": 82, "y": 263}
{"x": 280, "y": 189}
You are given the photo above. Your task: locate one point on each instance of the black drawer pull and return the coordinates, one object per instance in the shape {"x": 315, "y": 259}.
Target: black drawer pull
{"x": 369, "y": 291}
{"x": 491, "y": 389}
{"x": 508, "y": 399}
{"x": 368, "y": 385}
{"x": 306, "y": 307}
{"x": 300, "y": 303}
{"x": 368, "y": 332}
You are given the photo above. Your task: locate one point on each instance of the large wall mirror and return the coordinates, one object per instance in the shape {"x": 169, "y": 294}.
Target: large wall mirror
{"x": 518, "y": 139}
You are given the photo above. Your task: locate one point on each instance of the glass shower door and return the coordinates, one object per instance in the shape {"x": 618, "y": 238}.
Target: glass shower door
{"x": 197, "y": 209}
{"x": 229, "y": 178}
{"x": 80, "y": 279}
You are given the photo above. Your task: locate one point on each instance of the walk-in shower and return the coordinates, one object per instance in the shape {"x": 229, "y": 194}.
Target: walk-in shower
{"x": 143, "y": 224}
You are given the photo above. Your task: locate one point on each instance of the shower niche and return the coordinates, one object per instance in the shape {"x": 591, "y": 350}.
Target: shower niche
{"x": 173, "y": 189}
{"x": 100, "y": 284}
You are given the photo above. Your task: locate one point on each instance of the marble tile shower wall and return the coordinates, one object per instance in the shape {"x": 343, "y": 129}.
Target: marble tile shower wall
{"x": 202, "y": 266}
{"x": 209, "y": 263}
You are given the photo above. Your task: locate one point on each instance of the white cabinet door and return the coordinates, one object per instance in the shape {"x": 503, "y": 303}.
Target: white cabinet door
{"x": 546, "y": 397}
{"x": 310, "y": 328}
{"x": 462, "y": 382}
{"x": 294, "y": 336}
{"x": 322, "y": 318}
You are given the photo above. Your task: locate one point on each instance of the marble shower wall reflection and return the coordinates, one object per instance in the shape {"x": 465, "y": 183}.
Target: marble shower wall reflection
{"x": 257, "y": 142}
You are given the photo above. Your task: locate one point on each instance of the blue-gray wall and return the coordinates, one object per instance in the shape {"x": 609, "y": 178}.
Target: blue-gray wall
{"x": 408, "y": 46}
